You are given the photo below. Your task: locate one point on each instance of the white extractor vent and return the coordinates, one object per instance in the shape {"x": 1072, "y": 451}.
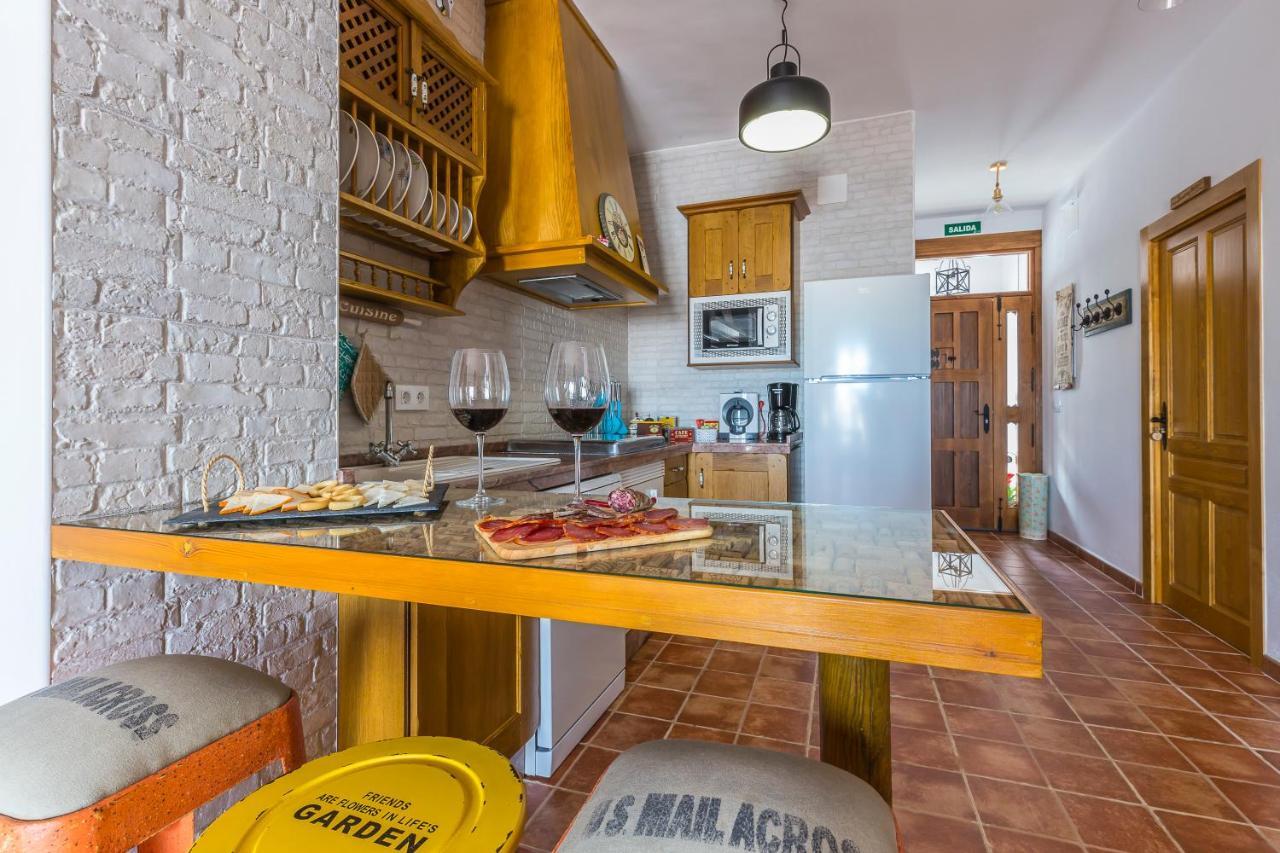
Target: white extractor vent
{"x": 571, "y": 290}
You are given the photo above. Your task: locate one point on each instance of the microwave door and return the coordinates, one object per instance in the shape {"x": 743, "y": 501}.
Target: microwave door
{"x": 727, "y": 330}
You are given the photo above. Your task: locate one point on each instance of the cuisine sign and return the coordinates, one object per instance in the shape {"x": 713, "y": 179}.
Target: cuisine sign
{"x": 361, "y": 309}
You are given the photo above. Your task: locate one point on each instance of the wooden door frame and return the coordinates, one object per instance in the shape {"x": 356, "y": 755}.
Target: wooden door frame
{"x": 1244, "y": 185}
{"x": 1027, "y": 304}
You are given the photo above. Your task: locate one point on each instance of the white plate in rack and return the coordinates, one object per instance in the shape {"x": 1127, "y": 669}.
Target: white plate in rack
{"x": 348, "y": 146}
{"x": 400, "y": 178}
{"x": 419, "y": 185}
{"x": 365, "y": 169}
{"x": 386, "y": 167}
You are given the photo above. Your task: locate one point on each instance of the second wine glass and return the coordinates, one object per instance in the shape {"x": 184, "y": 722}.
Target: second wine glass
{"x": 577, "y": 392}
{"x": 479, "y": 394}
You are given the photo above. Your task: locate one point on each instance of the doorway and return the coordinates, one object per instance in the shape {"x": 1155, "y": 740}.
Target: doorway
{"x": 986, "y": 369}
{"x": 1201, "y": 355}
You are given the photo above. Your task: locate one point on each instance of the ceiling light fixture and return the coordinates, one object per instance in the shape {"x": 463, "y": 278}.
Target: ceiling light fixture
{"x": 998, "y": 204}
{"x": 787, "y": 111}
{"x": 1158, "y": 5}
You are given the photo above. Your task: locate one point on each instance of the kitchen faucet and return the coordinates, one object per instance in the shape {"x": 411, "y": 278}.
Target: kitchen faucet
{"x": 389, "y": 451}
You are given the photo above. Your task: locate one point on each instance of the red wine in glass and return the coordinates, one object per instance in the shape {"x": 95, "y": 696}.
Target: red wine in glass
{"x": 577, "y": 421}
{"x": 479, "y": 420}
{"x": 576, "y": 393}
{"x": 479, "y": 394}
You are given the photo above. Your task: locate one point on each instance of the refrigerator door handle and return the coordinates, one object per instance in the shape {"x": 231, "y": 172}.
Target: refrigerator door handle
{"x": 867, "y": 377}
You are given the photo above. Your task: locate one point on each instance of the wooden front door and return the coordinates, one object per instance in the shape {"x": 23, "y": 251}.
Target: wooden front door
{"x": 1204, "y": 312}
{"x": 963, "y": 410}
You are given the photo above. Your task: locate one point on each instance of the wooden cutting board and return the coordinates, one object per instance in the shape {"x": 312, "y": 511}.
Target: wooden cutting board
{"x": 569, "y": 547}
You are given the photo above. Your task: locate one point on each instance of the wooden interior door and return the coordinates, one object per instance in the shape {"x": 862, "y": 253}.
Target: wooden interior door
{"x": 713, "y": 251}
{"x": 764, "y": 249}
{"x": 963, "y": 410}
{"x": 1203, "y": 476}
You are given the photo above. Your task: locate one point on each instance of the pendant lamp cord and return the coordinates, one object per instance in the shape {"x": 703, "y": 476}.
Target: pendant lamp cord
{"x": 785, "y": 44}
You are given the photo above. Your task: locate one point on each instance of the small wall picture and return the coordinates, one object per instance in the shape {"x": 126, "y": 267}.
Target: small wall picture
{"x": 1064, "y": 339}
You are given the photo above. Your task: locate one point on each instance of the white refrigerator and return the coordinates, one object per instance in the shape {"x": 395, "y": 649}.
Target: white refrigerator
{"x": 866, "y": 364}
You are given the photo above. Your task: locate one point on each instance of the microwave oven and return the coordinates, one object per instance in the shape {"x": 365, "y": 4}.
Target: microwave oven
{"x": 740, "y": 329}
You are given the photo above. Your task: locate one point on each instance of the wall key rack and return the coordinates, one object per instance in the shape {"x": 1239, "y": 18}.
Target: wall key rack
{"x": 1104, "y": 313}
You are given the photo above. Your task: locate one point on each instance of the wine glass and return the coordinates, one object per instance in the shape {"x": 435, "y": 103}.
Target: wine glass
{"x": 479, "y": 393}
{"x": 577, "y": 392}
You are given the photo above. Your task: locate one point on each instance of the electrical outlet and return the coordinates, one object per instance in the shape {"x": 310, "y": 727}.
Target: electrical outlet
{"x": 412, "y": 398}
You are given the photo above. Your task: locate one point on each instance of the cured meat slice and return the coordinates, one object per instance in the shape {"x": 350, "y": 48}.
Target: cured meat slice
{"x": 582, "y": 533}
{"x": 660, "y": 514}
{"x": 506, "y": 534}
{"x": 546, "y": 533}
{"x": 615, "y": 532}
{"x": 687, "y": 523}
{"x": 494, "y": 523}
{"x": 653, "y": 527}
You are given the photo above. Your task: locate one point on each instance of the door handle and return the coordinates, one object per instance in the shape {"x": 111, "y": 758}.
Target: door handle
{"x": 730, "y": 269}
{"x": 701, "y": 480}
{"x": 985, "y": 414}
{"x": 1161, "y": 431}
{"x": 743, "y": 268}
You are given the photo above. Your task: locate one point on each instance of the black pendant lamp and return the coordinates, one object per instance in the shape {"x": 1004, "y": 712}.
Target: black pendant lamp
{"x": 788, "y": 110}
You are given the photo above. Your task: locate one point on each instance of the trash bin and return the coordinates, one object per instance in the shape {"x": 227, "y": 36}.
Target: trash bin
{"x": 1033, "y": 506}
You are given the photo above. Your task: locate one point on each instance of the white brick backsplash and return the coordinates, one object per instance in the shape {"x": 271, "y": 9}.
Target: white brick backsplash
{"x": 188, "y": 321}
{"x": 870, "y": 234}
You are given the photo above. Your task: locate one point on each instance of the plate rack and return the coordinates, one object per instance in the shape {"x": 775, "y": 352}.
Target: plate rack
{"x": 407, "y": 78}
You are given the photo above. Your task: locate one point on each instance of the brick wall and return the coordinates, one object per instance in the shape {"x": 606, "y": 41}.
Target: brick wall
{"x": 870, "y": 234}
{"x": 194, "y": 308}
{"x": 419, "y": 352}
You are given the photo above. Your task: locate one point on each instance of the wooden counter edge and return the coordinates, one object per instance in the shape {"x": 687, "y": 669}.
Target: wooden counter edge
{"x": 992, "y": 641}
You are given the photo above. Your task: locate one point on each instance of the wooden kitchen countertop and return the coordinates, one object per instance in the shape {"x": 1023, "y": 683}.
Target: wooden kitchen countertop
{"x": 560, "y": 474}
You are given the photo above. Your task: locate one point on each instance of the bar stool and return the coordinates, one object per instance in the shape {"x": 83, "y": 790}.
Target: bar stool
{"x": 679, "y": 796}
{"x": 122, "y": 756}
{"x": 412, "y": 794}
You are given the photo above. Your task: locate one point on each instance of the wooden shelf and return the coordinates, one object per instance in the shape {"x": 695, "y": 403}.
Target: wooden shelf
{"x": 352, "y": 205}
{"x": 417, "y": 292}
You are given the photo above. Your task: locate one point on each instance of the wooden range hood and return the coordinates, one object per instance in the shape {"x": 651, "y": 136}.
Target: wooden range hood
{"x": 556, "y": 143}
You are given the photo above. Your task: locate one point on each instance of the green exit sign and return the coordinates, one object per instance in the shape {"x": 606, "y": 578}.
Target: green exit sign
{"x": 960, "y": 229}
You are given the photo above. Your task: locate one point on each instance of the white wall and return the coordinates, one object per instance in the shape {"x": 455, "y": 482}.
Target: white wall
{"x": 1022, "y": 219}
{"x": 24, "y": 244}
{"x": 868, "y": 234}
{"x": 1214, "y": 115}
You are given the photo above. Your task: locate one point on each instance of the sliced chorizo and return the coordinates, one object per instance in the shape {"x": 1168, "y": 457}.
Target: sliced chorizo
{"x": 656, "y": 515}
{"x": 543, "y": 534}
{"x": 511, "y": 532}
{"x": 582, "y": 533}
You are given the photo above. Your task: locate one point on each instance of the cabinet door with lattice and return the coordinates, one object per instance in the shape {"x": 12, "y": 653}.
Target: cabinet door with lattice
{"x": 373, "y": 40}
{"x": 444, "y": 101}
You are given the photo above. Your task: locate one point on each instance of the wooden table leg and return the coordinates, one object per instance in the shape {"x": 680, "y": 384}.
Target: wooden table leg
{"x": 853, "y": 706}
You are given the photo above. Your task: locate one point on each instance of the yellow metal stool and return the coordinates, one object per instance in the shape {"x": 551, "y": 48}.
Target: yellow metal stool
{"x": 413, "y": 794}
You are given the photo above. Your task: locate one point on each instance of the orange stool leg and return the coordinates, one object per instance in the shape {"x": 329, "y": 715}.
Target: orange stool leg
{"x": 177, "y": 837}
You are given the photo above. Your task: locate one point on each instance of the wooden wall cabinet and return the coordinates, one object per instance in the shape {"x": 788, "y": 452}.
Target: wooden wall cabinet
{"x": 743, "y": 245}
{"x": 406, "y": 77}
{"x": 409, "y": 669}
{"x": 739, "y": 476}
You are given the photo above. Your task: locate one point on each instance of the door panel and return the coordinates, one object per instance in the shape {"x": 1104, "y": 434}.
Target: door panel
{"x": 964, "y": 448}
{"x": 1203, "y": 477}
{"x": 764, "y": 241}
{"x": 713, "y": 246}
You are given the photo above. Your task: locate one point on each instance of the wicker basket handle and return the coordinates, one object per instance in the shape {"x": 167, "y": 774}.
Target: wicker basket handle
{"x": 429, "y": 474}
{"x": 204, "y": 478}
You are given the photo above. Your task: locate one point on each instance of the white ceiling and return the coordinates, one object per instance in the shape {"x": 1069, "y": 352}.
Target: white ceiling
{"x": 1040, "y": 83}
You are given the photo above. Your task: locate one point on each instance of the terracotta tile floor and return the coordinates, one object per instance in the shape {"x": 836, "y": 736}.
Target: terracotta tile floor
{"x": 1146, "y": 734}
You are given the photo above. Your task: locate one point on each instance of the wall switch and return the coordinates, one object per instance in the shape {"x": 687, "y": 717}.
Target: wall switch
{"x": 412, "y": 398}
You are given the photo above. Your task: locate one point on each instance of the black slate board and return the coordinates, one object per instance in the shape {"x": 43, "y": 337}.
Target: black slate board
{"x": 199, "y": 516}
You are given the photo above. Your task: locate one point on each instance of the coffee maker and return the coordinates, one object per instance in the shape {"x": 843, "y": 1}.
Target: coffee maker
{"x": 783, "y": 420}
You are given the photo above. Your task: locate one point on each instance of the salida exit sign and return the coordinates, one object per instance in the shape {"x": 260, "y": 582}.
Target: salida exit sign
{"x": 960, "y": 229}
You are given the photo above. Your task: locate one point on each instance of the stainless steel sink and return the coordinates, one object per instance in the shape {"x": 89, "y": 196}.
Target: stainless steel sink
{"x": 590, "y": 446}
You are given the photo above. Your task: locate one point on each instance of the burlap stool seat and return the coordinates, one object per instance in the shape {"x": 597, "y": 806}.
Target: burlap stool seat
{"x": 678, "y": 796}
{"x": 410, "y": 794}
{"x": 121, "y": 756}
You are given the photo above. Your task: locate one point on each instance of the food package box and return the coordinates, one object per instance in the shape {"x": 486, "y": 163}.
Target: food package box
{"x": 681, "y": 435}
{"x": 649, "y": 427}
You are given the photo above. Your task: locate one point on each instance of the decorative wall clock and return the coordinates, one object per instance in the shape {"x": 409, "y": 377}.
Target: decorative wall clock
{"x": 613, "y": 222}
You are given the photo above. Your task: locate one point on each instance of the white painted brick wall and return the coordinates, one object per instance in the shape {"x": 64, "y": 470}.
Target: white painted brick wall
{"x": 523, "y": 328}
{"x": 195, "y": 308}
{"x": 870, "y": 234}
